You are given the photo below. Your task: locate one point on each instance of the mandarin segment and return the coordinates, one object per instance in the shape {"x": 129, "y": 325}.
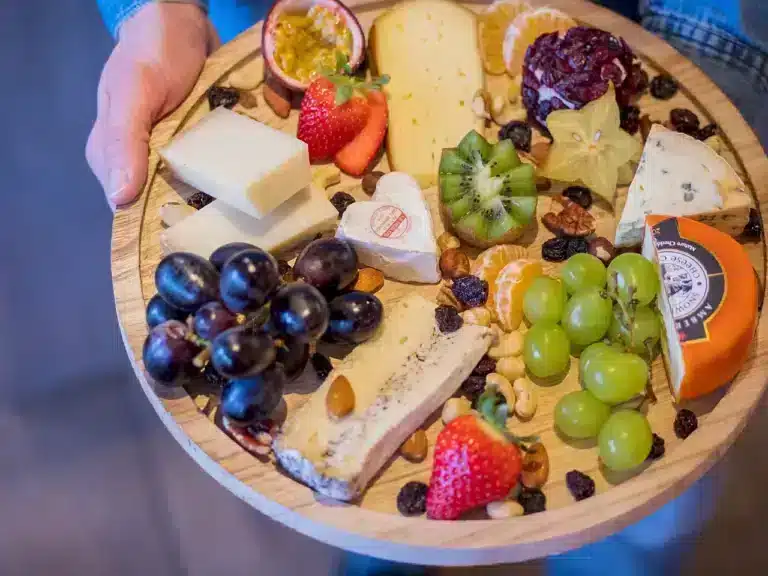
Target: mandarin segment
{"x": 490, "y": 262}
{"x": 492, "y": 25}
{"x": 524, "y": 30}
{"x": 510, "y": 287}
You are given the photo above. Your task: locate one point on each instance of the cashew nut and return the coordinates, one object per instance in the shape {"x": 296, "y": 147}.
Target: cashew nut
{"x": 504, "y": 387}
{"x": 507, "y": 345}
{"x": 503, "y": 509}
{"x": 454, "y": 408}
{"x": 527, "y": 399}
{"x": 479, "y": 316}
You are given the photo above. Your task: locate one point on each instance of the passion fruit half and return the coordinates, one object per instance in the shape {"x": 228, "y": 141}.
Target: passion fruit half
{"x": 303, "y": 38}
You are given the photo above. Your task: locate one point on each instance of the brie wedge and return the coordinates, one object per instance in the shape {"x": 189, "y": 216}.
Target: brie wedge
{"x": 399, "y": 377}
{"x": 307, "y": 213}
{"x": 247, "y": 164}
{"x": 393, "y": 231}
{"x": 681, "y": 176}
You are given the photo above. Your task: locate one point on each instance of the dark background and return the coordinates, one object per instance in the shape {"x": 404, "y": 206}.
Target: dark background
{"x": 90, "y": 481}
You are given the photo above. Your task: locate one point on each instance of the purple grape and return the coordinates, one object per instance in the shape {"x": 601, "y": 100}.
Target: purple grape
{"x": 186, "y": 281}
{"x": 212, "y": 319}
{"x": 242, "y": 352}
{"x": 159, "y": 311}
{"x": 354, "y": 317}
{"x": 328, "y": 264}
{"x": 248, "y": 400}
{"x": 248, "y": 279}
{"x": 292, "y": 355}
{"x": 299, "y": 310}
{"x": 168, "y": 354}
{"x": 225, "y": 252}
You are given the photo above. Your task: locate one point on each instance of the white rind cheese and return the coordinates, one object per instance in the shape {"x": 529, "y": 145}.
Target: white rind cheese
{"x": 400, "y": 377}
{"x": 307, "y": 213}
{"x": 240, "y": 161}
{"x": 681, "y": 176}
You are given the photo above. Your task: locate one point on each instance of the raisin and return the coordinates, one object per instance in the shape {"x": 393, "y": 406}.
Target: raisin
{"x": 412, "y": 499}
{"x": 579, "y": 485}
{"x": 657, "y": 448}
{"x": 554, "y": 249}
{"x": 220, "y": 96}
{"x": 473, "y": 386}
{"x": 630, "y": 119}
{"x": 285, "y": 270}
{"x": 579, "y": 194}
{"x": 532, "y": 500}
{"x": 576, "y": 246}
{"x": 754, "y": 228}
{"x": 663, "y": 87}
{"x": 485, "y": 366}
{"x": 199, "y": 200}
{"x": 470, "y": 291}
{"x": 341, "y": 200}
{"x": 707, "y": 132}
{"x": 448, "y": 319}
{"x": 685, "y": 423}
{"x": 322, "y": 365}
{"x": 683, "y": 120}
{"x": 519, "y": 133}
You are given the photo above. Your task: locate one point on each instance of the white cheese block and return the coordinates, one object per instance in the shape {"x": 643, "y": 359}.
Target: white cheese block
{"x": 681, "y": 176}
{"x": 240, "y": 161}
{"x": 399, "y": 377}
{"x": 304, "y": 215}
{"x": 393, "y": 232}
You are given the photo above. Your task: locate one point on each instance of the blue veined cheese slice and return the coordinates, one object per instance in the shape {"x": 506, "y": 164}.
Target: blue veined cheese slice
{"x": 681, "y": 176}
{"x": 399, "y": 377}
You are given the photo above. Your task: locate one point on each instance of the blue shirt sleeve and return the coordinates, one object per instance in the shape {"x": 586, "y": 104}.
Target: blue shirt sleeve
{"x": 114, "y": 12}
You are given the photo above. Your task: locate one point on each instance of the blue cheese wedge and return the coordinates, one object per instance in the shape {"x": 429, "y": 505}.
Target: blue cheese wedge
{"x": 399, "y": 377}
{"x": 681, "y": 176}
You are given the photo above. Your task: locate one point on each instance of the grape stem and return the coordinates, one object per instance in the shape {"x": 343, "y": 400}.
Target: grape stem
{"x": 649, "y": 393}
{"x": 202, "y": 358}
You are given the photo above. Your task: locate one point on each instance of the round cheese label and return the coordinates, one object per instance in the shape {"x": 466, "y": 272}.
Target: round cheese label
{"x": 390, "y": 222}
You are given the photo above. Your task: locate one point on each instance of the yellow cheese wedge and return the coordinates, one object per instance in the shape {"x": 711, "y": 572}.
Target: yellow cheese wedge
{"x": 429, "y": 48}
{"x": 708, "y": 301}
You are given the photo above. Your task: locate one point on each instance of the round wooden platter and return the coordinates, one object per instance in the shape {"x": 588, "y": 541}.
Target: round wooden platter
{"x": 373, "y": 526}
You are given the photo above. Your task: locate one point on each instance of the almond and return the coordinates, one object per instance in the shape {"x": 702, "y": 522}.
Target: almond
{"x": 415, "y": 448}
{"x": 340, "y": 399}
{"x": 539, "y": 152}
{"x": 369, "y": 280}
{"x": 535, "y": 470}
{"x": 454, "y": 264}
{"x": 277, "y": 97}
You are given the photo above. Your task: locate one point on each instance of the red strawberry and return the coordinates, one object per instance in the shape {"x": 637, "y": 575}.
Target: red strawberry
{"x": 476, "y": 461}
{"x": 356, "y": 156}
{"x": 325, "y": 126}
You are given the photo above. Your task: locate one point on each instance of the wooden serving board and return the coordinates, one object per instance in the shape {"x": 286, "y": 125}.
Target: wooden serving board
{"x": 373, "y": 525}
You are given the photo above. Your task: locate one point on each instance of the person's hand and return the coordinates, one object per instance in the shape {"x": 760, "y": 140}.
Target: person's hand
{"x": 153, "y": 67}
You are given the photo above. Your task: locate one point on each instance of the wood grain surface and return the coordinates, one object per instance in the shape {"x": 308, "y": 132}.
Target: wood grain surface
{"x": 373, "y": 526}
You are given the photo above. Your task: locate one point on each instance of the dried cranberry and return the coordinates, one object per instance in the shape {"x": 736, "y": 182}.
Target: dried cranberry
{"x": 448, "y": 319}
{"x": 470, "y": 291}
{"x": 199, "y": 200}
{"x": 707, "y": 132}
{"x": 579, "y": 194}
{"x": 683, "y": 120}
{"x": 473, "y": 386}
{"x": 485, "y": 366}
{"x": 579, "y": 485}
{"x": 341, "y": 201}
{"x": 630, "y": 119}
{"x": 412, "y": 499}
{"x": 576, "y": 246}
{"x": 685, "y": 423}
{"x": 220, "y": 96}
{"x": 657, "y": 448}
{"x": 754, "y": 228}
{"x": 519, "y": 133}
{"x": 554, "y": 249}
{"x": 322, "y": 365}
{"x": 532, "y": 500}
{"x": 663, "y": 87}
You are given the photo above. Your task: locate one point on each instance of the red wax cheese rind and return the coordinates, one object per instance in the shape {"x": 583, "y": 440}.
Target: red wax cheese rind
{"x": 709, "y": 303}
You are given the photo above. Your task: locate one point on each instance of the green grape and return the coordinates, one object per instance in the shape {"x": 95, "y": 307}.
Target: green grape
{"x": 625, "y": 440}
{"x": 645, "y": 330}
{"x": 587, "y": 316}
{"x": 546, "y": 350}
{"x": 580, "y": 415}
{"x": 583, "y": 271}
{"x": 593, "y": 351}
{"x": 544, "y": 300}
{"x": 615, "y": 377}
{"x": 633, "y": 277}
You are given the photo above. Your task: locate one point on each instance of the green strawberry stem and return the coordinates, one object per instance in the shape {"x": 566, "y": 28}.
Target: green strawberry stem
{"x": 494, "y": 410}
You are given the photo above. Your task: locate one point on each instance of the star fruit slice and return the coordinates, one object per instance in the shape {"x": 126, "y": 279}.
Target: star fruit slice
{"x": 589, "y": 146}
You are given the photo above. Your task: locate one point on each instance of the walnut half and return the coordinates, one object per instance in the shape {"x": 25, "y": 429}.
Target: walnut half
{"x": 572, "y": 220}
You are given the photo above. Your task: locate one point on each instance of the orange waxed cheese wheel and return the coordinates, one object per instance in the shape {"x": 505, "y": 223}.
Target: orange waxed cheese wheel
{"x": 709, "y": 303}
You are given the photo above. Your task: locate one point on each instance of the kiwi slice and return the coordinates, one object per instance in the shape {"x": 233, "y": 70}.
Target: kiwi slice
{"x": 487, "y": 195}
